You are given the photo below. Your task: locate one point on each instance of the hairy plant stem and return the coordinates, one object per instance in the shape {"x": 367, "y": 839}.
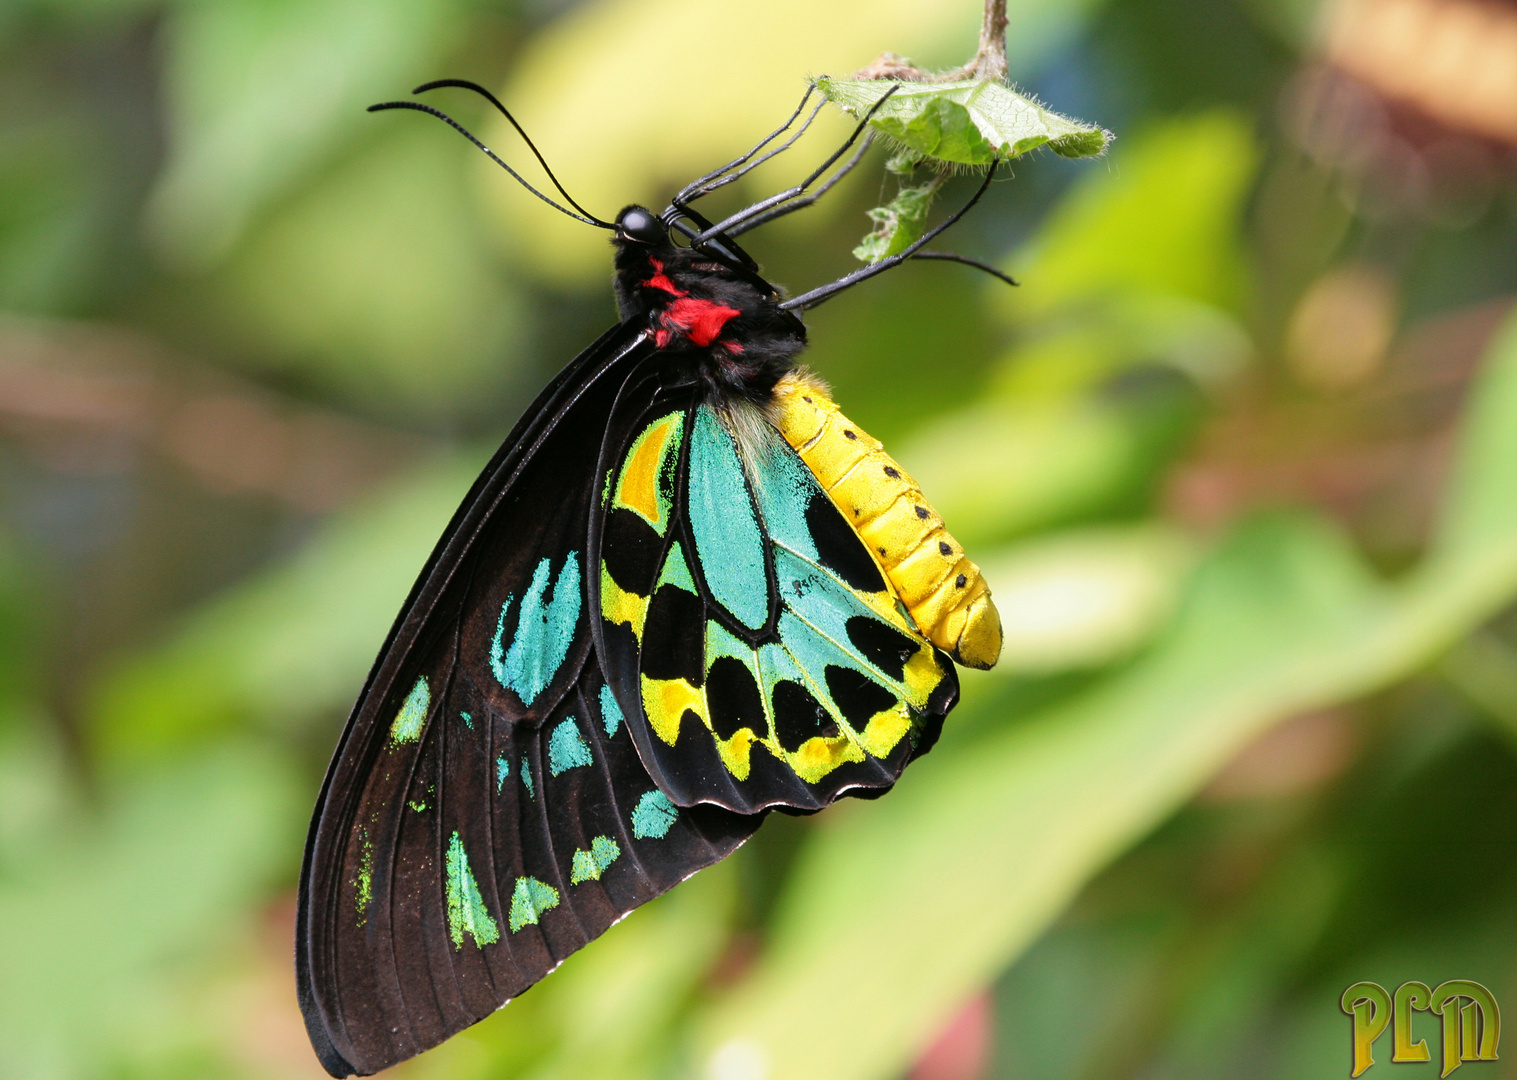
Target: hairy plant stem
{"x": 989, "y": 60}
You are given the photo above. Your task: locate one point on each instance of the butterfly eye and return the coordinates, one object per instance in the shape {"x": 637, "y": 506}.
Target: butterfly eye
{"x": 635, "y": 223}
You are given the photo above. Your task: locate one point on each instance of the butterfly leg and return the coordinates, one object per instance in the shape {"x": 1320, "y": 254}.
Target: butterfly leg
{"x": 692, "y": 190}
{"x": 788, "y": 194}
{"x": 803, "y": 201}
{"x": 722, "y": 244}
{"x": 683, "y": 201}
{"x": 826, "y": 292}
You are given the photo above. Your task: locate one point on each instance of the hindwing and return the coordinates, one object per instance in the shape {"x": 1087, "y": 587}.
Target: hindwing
{"x": 487, "y": 812}
{"x": 748, "y": 632}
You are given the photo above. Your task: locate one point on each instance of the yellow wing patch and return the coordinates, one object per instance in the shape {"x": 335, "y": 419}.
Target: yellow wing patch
{"x": 637, "y": 489}
{"x": 665, "y": 702}
{"x": 618, "y": 605}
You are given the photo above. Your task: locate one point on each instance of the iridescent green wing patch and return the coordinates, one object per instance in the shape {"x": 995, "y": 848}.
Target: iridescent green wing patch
{"x": 768, "y": 655}
{"x": 467, "y": 913}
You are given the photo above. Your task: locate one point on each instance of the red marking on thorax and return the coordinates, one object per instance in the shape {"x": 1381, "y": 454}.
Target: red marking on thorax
{"x": 660, "y": 280}
{"x": 701, "y": 320}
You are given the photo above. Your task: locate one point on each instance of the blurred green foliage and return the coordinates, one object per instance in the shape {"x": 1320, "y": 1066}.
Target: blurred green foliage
{"x": 1237, "y": 457}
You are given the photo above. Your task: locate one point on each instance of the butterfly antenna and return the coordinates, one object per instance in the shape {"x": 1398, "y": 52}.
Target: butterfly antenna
{"x": 803, "y": 201}
{"x": 465, "y": 84}
{"x": 416, "y": 106}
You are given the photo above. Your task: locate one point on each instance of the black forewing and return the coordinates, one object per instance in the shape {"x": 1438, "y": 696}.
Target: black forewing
{"x": 486, "y": 813}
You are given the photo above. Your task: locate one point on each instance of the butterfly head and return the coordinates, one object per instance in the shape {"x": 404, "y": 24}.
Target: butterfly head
{"x": 638, "y": 225}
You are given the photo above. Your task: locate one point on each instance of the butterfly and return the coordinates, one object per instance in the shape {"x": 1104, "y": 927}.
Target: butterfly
{"x": 686, "y": 591}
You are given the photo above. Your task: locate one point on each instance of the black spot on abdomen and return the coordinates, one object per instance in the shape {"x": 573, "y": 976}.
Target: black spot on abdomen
{"x": 733, "y": 698}
{"x": 840, "y": 548}
{"x": 674, "y": 636}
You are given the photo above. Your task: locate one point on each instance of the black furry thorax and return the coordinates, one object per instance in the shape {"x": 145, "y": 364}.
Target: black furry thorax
{"x": 690, "y": 301}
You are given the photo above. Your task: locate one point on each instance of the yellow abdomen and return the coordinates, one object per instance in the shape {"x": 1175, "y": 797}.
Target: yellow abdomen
{"x": 940, "y": 586}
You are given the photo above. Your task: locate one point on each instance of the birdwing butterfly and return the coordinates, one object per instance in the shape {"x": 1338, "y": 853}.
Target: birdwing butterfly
{"x": 685, "y": 591}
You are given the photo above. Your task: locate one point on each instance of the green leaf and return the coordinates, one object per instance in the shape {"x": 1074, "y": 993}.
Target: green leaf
{"x": 998, "y": 469}
{"x": 898, "y": 224}
{"x": 989, "y": 837}
{"x": 1084, "y": 598}
{"x": 964, "y": 123}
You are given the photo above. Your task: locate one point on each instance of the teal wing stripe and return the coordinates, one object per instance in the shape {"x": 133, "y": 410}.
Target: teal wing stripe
{"x": 785, "y": 492}
{"x": 807, "y": 651}
{"x": 567, "y": 749}
{"x": 728, "y": 541}
{"x": 821, "y": 602}
{"x": 610, "y": 712}
{"x": 544, "y": 631}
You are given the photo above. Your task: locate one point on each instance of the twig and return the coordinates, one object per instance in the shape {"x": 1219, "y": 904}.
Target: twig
{"x": 989, "y": 60}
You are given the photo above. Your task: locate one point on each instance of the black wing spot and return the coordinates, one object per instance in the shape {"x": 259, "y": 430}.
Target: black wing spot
{"x": 797, "y": 715}
{"x": 620, "y": 640}
{"x": 857, "y": 695}
{"x": 850, "y": 434}
{"x": 692, "y": 732}
{"x": 961, "y": 581}
{"x": 944, "y": 548}
{"x": 674, "y": 636}
{"x": 892, "y": 472}
{"x": 733, "y": 697}
{"x": 922, "y": 512}
{"x": 881, "y": 644}
{"x": 630, "y": 551}
{"x": 839, "y": 547}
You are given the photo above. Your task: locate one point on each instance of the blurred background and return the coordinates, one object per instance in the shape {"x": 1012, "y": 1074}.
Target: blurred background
{"x": 1239, "y": 458}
